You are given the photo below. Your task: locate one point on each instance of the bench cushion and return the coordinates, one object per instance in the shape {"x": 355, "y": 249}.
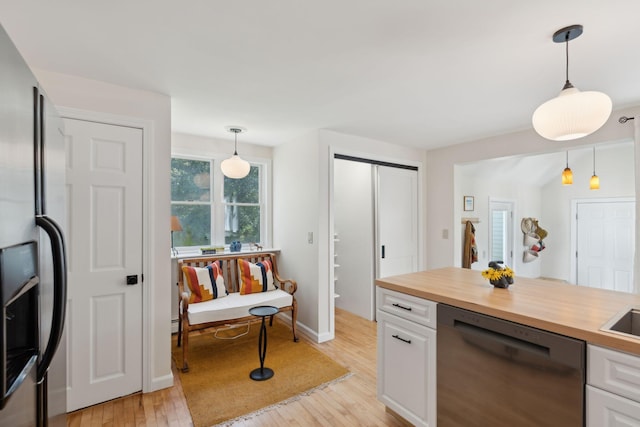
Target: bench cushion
{"x": 235, "y": 306}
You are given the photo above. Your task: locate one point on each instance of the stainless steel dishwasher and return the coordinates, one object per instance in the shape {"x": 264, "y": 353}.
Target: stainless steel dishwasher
{"x": 492, "y": 372}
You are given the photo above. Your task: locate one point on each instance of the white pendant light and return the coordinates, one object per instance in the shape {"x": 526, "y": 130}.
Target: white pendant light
{"x": 572, "y": 114}
{"x": 235, "y": 167}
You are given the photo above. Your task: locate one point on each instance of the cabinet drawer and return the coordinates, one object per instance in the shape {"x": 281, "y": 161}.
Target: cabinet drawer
{"x": 606, "y": 409}
{"x": 614, "y": 371}
{"x": 408, "y": 307}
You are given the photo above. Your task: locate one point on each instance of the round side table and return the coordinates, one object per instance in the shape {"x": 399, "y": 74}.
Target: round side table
{"x": 264, "y": 311}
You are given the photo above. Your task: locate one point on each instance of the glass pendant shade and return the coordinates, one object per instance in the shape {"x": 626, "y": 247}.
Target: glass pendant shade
{"x": 572, "y": 114}
{"x": 594, "y": 182}
{"x": 235, "y": 167}
{"x": 567, "y": 176}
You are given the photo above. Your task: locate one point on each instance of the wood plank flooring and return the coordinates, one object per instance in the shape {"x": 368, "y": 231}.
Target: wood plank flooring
{"x": 351, "y": 402}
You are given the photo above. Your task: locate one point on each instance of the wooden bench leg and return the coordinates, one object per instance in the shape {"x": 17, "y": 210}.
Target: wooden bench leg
{"x": 294, "y": 316}
{"x": 179, "y": 329}
{"x": 185, "y": 346}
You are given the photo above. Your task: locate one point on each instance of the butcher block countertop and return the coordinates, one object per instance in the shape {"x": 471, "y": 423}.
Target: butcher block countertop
{"x": 574, "y": 311}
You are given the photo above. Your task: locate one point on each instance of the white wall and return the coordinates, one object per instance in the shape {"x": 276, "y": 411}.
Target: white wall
{"x": 442, "y": 201}
{"x": 296, "y": 205}
{"x": 94, "y": 96}
{"x": 614, "y": 166}
{"x": 302, "y": 188}
{"x": 207, "y": 147}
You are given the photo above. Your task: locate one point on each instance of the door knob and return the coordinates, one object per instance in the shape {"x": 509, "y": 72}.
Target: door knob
{"x": 132, "y": 280}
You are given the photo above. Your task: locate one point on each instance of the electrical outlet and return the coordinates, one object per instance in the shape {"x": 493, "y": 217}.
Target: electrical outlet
{"x": 310, "y": 237}
{"x": 445, "y": 233}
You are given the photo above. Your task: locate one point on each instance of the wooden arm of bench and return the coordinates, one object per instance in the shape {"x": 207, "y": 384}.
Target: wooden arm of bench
{"x": 288, "y": 285}
{"x": 182, "y": 296}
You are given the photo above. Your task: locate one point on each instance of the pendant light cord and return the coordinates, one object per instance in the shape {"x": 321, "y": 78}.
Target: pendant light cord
{"x": 594, "y": 160}
{"x": 235, "y": 143}
{"x": 566, "y": 43}
{"x": 567, "y": 83}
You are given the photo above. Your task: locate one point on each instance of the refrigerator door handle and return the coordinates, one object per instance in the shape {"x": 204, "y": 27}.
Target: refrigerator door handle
{"x": 54, "y": 232}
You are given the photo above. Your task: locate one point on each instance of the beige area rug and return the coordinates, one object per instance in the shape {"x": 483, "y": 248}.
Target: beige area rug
{"x": 218, "y": 387}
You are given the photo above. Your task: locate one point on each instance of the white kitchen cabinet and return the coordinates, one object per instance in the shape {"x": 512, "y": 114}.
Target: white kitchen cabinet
{"x": 606, "y": 409}
{"x": 407, "y": 356}
{"x": 613, "y": 390}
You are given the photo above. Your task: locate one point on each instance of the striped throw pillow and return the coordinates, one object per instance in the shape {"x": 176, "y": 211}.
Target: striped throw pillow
{"x": 255, "y": 278}
{"x": 205, "y": 283}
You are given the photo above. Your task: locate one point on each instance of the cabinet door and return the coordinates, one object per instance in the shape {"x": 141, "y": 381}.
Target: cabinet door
{"x": 407, "y": 369}
{"x": 606, "y": 409}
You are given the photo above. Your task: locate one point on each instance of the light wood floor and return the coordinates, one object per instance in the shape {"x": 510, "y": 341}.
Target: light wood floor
{"x": 351, "y": 402}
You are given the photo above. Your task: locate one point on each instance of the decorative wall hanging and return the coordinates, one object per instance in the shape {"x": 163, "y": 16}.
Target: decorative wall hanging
{"x": 532, "y": 239}
{"x": 468, "y": 203}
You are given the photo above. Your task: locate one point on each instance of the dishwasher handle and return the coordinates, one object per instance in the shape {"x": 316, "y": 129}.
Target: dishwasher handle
{"x": 507, "y": 341}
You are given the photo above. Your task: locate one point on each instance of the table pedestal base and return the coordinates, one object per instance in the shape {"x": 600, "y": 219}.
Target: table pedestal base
{"x": 261, "y": 374}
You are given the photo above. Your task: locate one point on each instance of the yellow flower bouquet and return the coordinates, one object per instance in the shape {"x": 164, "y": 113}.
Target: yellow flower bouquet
{"x": 499, "y": 276}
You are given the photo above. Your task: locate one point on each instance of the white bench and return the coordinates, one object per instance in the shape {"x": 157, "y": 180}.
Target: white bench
{"x": 233, "y": 308}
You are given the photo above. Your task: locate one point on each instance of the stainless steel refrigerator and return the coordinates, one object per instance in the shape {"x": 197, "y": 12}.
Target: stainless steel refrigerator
{"x": 32, "y": 251}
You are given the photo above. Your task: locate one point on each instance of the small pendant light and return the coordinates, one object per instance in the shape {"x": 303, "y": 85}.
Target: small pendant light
{"x": 594, "y": 182}
{"x": 572, "y": 114}
{"x": 235, "y": 167}
{"x": 567, "y": 175}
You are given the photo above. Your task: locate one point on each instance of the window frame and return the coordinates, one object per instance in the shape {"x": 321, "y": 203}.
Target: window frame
{"x": 218, "y": 204}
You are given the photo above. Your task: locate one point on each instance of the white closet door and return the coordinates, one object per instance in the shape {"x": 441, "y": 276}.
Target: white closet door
{"x": 104, "y": 323}
{"x": 397, "y": 221}
{"x": 606, "y": 245}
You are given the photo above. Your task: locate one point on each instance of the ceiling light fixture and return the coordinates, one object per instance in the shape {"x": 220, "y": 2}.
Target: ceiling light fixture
{"x": 235, "y": 167}
{"x": 594, "y": 182}
{"x": 567, "y": 175}
{"x": 572, "y": 114}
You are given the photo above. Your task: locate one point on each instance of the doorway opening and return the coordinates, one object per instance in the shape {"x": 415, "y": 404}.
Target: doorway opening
{"x": 375, "y": 228}
{"x": 501, "y": 231}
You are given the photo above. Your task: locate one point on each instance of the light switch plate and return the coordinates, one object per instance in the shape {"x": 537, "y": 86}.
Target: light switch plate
{"x": 310, "y": 237}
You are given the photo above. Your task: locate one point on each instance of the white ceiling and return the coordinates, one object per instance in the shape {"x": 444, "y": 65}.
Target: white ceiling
{"x": 413, "y": 72}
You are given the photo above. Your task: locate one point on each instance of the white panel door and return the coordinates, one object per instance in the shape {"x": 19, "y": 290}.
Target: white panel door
{"x": 104, "y": 185}
{"x": 354, "y": 229}
{"x": 397, "y": 221}
{"x": 605, "y": 245}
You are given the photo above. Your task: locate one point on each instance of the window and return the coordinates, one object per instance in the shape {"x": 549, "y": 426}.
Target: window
{"x": 242, "y": 208}
{"x": 191, "y": 201}
{"x": 215, "y": 210}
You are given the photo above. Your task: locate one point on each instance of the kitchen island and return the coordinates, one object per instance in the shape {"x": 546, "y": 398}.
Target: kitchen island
{"x": 607, "y": 374}
{"x": 574, "y": 311}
